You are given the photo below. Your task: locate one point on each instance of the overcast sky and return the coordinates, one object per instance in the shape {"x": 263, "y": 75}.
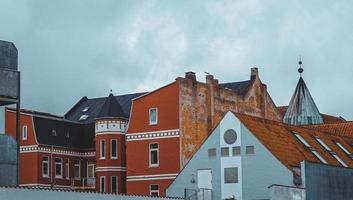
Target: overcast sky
{"x": 74, "y": 48}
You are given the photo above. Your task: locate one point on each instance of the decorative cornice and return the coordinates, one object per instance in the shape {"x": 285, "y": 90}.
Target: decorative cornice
{"x": 36, "y": 148}
{"x": 153, "y": 135}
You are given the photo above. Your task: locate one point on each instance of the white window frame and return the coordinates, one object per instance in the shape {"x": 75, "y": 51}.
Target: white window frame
{"x": 101, "y": 189}
{"x": 152, "y": 191}
{"x": 150, "y": 155}
{"x": 61, "y": 168}
{"x": 111, "y": 184}
{"x": 149, "y": 116}
{"x": 79, "y": 169}
{"x": 101, "y": 156}
{"x": 48, "y": 163}
{"x": 90, "y": 165}
{"x": 111, "y": 149}
{"x": 67, "y": 169}
{"x": 24, "y": 132}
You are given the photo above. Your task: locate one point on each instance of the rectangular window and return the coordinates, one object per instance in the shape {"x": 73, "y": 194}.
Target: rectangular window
{"x": 319, "y": 156}
{"x": 67, "y": 169}
{"x": 90, "y": 169}
{"x": 302, "y": 140}
{"x": 153, "y": 157}
{"x": 344, "y": 149}
{"x": 113, "y": 149}
{"x": 24, "y": 132}
{"x": 231, "y": 175}
{"x": 114, "y": 184}
{"x": 77, "y": 169}
{"x": 153, "y": 116}
{"x": 154, "y": 190}
{"x": 322, "y": 143}
{"x": 212, "y": 152}
{"x": 58, "y": 168}
{"x": 250, "y": 150}
{"x": 45, "y": 166}
{"x": 235, "y": 151}
{"x": 224, "y": 151}
{"x": 102, "y": 184}
{"x": 102, "y": 149}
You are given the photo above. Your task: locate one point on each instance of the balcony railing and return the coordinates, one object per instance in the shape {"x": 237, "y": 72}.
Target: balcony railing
{"x": 198, "y": 194}
{"x": 83, "y": 183}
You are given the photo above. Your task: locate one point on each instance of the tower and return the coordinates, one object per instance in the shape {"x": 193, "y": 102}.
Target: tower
{"x": 302, "y": 109}
{"x": 110, "y": 129}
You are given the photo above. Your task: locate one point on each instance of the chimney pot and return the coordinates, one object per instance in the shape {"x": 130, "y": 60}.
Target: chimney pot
{"x": 209, "y": 78}
{"x": 254, "y": 72}
{"x": 190, "y": 75}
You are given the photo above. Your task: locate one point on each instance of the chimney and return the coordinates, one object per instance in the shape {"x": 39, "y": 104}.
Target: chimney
{"x": 209, "y": 78}
{"x": 190, "y": 75}
{"x": 254, "y": 73}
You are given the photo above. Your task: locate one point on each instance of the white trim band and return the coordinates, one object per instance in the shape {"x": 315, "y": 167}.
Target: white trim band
{"x": 153, "y": 135}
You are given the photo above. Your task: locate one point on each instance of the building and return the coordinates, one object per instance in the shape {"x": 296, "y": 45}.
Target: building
{"x": 244, "y": 155}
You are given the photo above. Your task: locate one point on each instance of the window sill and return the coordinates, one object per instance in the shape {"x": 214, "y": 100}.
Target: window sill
{"x": 151, "y": 124}
{"x": 114, "y": 158}
{"x": 44, "y": 176}
{"x": 59, "y": 177}
{"x": 102, "y": 158}
{"x": 153, "y": 166}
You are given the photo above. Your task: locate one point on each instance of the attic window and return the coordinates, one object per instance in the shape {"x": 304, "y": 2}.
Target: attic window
{"x": 316, "y": 154}
{"x": 344, "y": 149}
{"x": 85, "y": 109}
{"x": 53, "y": 132}
{"x": 331, "y": 152}
{"x": 339, "y": 159}
{"x": 323, "y": 143}
{"x": 83, "y": 117}
{"x": 319, "y": 156}
{"x": 67, "y": 135}
{"x": 302, "y": 140}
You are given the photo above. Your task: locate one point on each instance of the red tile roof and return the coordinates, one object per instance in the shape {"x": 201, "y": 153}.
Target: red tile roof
{"x": 328, "y": 119}
{"x": 341, "y": 129}
{"x": 279, "y": 139}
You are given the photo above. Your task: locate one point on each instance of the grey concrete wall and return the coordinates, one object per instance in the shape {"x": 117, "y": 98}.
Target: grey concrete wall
{"x": 8, "y": 55}
{"x": 200, "y": 160}
{"x": 8, "y": 160}
{"x": 323, "y": 182}
{"x": 8, "y": 83}
{"x": 278, "y": 192}
{"x": 261, "y": 169}
{"x": 38, "y": 194}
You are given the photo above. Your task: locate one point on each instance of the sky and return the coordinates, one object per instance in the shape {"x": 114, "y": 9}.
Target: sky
{"x": 74, "y": 48}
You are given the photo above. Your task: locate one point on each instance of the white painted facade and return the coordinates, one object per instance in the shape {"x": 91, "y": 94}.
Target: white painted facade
{"x": 105, "y": 125}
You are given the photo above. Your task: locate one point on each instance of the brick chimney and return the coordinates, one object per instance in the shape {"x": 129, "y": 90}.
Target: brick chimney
{"x": 254, "y": 73}
{"x": 190, "y": 75}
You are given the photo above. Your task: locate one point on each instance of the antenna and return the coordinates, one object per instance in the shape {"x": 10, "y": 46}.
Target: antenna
{"x": 207, "y": 73}
{"x": 300, "y": 70}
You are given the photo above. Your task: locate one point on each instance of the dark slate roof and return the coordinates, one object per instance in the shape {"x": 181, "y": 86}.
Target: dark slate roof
{"x": 240, "y": 87}
{"x": 95, "y": 106}
{"x": 68, "y": 134}
{"x": 111, "y": 108}
{"x": 302, "y": 109}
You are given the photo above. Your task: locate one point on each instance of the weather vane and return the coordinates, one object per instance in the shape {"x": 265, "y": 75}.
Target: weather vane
{"x": 300, "y": 70}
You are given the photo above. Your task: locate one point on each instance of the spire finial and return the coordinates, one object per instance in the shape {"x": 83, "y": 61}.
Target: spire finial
{"x": 300, "y": 70}
{"x": 111, "y": 91}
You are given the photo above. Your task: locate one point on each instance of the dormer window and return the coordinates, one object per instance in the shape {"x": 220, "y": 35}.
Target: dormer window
{"x": 67, "y": 135}
{"x": 153, "y": 116}
{"x": 83, "y": 117}
{"x": 53, "y": 132}
{"x": 85, "y": 109}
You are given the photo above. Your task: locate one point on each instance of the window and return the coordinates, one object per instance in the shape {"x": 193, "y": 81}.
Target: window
{"x": 249, "y": 150}
{"x": 24, "y": 132}
{"x": 102, "y": 184}
{"x": 230, "y": 136}
{"x": 58, "y": 168}
{"x": 302, "y": 140}
{"x": 67, "y": 169}
{"x": 224, "y": 151}
{"x": 306, "y": 144}
{"x": 102, "y": 149}
{"x": 322, "y": 143}
{"x": 77, "y": 169}
{"x": 85, "y": 109}
{"x": 90, "y": 169}
{"x": 344, "y": 149}
{"x": 153, "y": 116}
{"x": 154, "y": 190}
{"x": 153, "y": 158}
{"x": 67, "y": 134}
{"x": 53, "y": 132}
{"x": 231, "y": 175}
{"x": 45, "y": 166}
{"x": 339, "y": 159}
{"x": 331, "y": 152}
{"x": 319, "y": 156}
{"x": 235, "y": 151}
{"x": 83, "y": 117}
{"x": 114, "y": 184}
{"x": 212, "y": 152}
{"x": 113, "y": 149}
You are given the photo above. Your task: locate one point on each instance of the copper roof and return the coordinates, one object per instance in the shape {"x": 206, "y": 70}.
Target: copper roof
{"x": 279, "y": 139}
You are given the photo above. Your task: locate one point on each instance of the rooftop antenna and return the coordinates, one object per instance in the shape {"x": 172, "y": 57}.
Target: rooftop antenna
{"x": 207, "y": 73}
{"x": 300, "y": 70}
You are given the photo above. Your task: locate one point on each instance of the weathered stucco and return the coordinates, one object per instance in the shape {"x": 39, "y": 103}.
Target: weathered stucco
{"x": 202, "y": 105}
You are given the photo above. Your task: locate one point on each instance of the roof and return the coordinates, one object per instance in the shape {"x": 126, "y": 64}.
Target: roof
{"x": 240, "y": 87}
{"x": 111, "y": 108}
{"x": 94, "y": 106}
{"x": 328, "y": 119}
{"x": 302, "y": 108}
{"x": 34, "y": 112}
{"x": 280, "y": 140}
{"x": 342, "y": 129}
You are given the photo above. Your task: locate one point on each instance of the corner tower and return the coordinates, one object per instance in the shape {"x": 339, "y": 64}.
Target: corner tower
{"x": 110, "y": 129}
{"x": 302, "y": 109}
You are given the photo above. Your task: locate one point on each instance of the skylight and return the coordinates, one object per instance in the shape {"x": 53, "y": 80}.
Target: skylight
{"x": 323, "y": 143}
{"x": 331, "y": 152}
{"x": 85, "y": 109}
{"x": 339, "y": 160}
{"x": 344, "y": 149}
{"x": 302, "y": 140}
{"x": 319, "y": 156}
{"x": 83, "y": 117}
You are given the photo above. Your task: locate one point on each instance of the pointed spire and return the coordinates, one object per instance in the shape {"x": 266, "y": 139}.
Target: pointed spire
{"x": 302, "y": 109}
{"x": 111, "y": 108}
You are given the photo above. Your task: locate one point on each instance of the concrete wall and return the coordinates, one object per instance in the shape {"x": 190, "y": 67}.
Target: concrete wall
{"x": 38, "y": 194}
{"x": 261, "y": 169}
{"x": 200, "y": 160}
{"x": 323, "y": 182}
{"x": 8, "y": 161}
{"x": 280, "y": 192}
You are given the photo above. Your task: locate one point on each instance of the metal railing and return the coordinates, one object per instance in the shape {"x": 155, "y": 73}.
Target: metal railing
{"x": 83, "y": 183}
{"x": 198, "y": 194}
